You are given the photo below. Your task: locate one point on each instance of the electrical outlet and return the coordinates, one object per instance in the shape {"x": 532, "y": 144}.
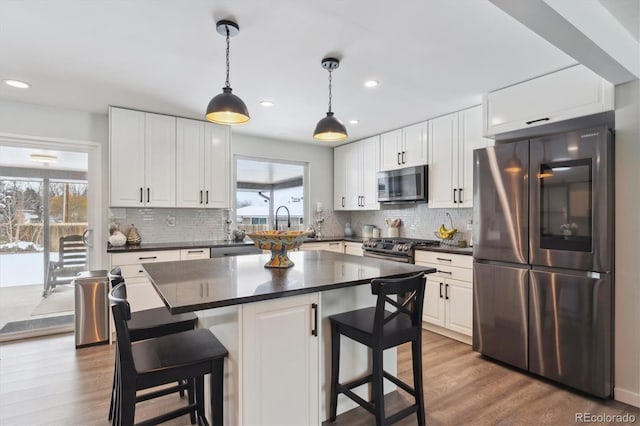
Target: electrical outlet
{"x": 170, "y": 220}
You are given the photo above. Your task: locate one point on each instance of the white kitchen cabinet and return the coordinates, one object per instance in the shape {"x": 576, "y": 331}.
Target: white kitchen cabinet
{"x": 353, "y": 248}
{"x": 569, "y": 93}
{"x": 202, "y": 177}
{"x": 140, "y": 291}
{"x": 355, "y": 180}
{"x": 280, "y": 361}
{"x": 448, "y": 307}
{"x": 335, "y": 246}
{"x": 405, "y": 147}
{"x": 453, "y": 138}
{"x": 142, "y": 149}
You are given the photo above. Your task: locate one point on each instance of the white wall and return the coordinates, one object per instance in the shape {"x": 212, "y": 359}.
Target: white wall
{"x": 627, "y": 268}
{"x": 320, "y": 159}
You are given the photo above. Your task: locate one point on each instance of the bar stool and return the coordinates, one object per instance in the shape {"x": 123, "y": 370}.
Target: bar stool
{"x": 148, "y": 324}
{"x": 380, "y": 329}
{"x": 184, "y": 356}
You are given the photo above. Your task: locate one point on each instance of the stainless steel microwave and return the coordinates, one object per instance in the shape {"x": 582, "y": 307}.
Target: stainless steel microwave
{"x": 408, "y": 185}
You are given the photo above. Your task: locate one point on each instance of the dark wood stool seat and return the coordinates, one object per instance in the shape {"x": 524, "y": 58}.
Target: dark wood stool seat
{"x": 147, "y": 324}
{"x": 380, "y": 329}
{"x": 184, "y": 356}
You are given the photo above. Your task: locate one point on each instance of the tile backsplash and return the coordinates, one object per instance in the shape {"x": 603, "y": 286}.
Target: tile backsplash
{"x": 175, "y": 225}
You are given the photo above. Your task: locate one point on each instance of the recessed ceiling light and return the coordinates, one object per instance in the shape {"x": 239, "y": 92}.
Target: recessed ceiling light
{"x": 371, "y": 83}
{"x": 43, "y": 158}
{"x": 354, "y": 121}
{"x": 267, "y": 103}
{"x": 17, "y": 83}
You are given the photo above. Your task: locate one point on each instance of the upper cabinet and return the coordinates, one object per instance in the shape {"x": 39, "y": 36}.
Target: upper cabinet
{"x": 405, "y": 147}
{"x": 355, "y": 181}
{"x": 202, "y": 153}
{"x": 452, "y": 139}
{"x": 142, "y": 154}
{"x": 569, "y": 93}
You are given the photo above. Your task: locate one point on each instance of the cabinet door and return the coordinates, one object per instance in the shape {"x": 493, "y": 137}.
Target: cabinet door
{"x": 216, "y": 166}
{"x": 443, "y": 141}
{"x": 353, "y": 248}
{"x": 459, "y": 306}
{"x": 470, "y": 139}
{"x": 370, "y": 149}
{"x": 160, "y": 160}
{"x": 280, "y": 362}
{"x": 390, "y": 150}
{"x": 353, "y": 160}
{"x": 414, "y": 146}
{"x": 190, "y": 161}
{"x": 433, "y": 306}
{"x": 339, "y": 177}
{"x": 126, "y": 157}
{"x": 565, "y": 94}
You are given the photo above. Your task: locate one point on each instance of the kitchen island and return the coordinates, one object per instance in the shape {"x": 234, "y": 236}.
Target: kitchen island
{"x": 274, "y": 324}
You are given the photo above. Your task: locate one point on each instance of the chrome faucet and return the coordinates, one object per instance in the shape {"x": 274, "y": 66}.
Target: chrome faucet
{"x": 288, "y": 217}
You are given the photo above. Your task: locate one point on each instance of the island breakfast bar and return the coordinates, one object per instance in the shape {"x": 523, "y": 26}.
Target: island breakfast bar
{"x": 272, "y": 322}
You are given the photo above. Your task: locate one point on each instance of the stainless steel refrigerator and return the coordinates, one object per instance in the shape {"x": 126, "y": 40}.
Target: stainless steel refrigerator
{"x": 543, "y": 257}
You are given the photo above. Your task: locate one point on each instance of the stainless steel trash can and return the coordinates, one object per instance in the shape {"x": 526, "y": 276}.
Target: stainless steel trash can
{"x": 91, "y": 308}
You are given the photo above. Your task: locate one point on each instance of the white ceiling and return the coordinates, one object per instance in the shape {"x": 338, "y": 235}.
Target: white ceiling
{"x": 430, "y": 56}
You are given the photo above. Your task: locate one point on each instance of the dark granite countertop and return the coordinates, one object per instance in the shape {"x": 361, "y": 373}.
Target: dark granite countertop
{"x": 212, "y": 283}
{"x": 178, "y": 245}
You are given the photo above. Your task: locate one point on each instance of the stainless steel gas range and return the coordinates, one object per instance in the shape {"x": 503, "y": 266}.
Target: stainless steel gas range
{"x": 395, "y": 249}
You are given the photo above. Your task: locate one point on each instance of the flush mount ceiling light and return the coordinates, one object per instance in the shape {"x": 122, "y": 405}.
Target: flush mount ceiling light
{"x": 227, "y": 108}
{"x": 43, "y": 158}
{"x": 330, "y": 128}
{"x": 354, "y": 121}
{"x": 266, "y": 103}
{"x": 371, "y": 83}
{"x": 17, "y": 83}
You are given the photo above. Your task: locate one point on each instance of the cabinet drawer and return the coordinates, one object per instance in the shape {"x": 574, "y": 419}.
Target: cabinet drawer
{"x": 445, "y": 259}
{"x": 195, "y": 253}
{"x": 132, "y": 258}
{"x": 130, "y": 272}
{"x": 446, "y": 271}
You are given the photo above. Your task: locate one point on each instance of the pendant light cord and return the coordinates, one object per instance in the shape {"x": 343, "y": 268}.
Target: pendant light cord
{"x": 226, "y": 84}
{"x": 330, "y": 90}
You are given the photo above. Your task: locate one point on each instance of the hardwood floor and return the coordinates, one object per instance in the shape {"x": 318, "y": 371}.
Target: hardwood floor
{"x": 45, "y": 381}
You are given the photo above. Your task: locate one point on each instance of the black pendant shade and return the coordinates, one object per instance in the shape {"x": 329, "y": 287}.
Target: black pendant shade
{"x": 227, "y": 108}
{"x": 330, "y": 128}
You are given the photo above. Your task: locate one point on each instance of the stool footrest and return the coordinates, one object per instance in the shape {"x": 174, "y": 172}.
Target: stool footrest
{"x": 358, "y": 382}
{"x": 399, "y": 383}
{"x": 171, "y": 415}
{"x": 357, "y": 398}
{"x": 162, "y": 392}
{"x": 401, "y": 414}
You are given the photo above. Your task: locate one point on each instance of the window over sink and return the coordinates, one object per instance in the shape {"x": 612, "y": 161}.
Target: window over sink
{"x": 264, "y": 187}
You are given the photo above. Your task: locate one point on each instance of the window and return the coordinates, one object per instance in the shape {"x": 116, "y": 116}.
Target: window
{"x": 267, "y": 187}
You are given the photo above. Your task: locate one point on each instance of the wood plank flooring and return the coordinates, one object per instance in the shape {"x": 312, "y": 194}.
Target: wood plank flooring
{"x": 45, "y": 381}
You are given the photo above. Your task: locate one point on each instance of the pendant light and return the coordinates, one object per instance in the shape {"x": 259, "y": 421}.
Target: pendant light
{"x": 330, "y": 128}
{"x": 227, "y": 108}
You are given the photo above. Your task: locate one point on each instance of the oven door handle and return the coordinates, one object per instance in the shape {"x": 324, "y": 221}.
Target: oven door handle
{"x": 386, "y": 257}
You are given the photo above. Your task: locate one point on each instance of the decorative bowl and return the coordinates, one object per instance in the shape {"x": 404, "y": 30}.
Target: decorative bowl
{"x": 278, "y": 242}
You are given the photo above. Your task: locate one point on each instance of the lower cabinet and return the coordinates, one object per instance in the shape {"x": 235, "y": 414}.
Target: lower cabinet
{"x": 280, "y": 361}
{"x": 353, "y": 248}
{"x": 336, "y": 246}
{"x": 140, "y": 292}
{"x": 448, "y": 298}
